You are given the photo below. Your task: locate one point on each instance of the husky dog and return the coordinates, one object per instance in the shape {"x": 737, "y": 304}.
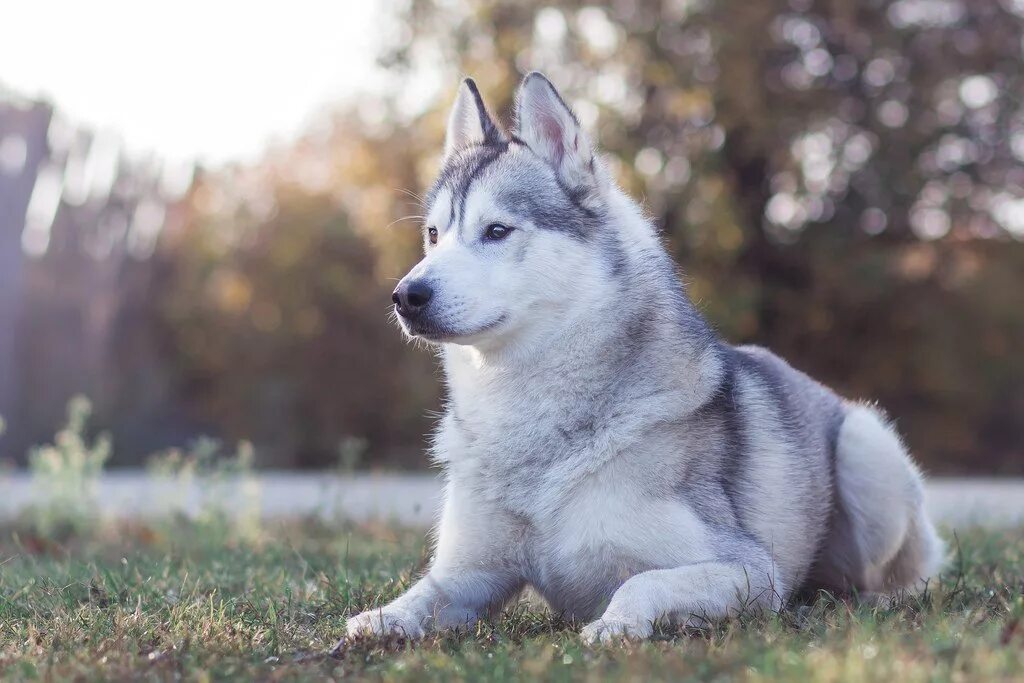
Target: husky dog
{"x": 601, "y": 444}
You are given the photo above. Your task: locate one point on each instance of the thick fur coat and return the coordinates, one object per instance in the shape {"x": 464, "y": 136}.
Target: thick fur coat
{"x": 601, "y": 443}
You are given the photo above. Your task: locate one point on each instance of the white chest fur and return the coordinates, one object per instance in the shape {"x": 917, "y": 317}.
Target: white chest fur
{"x": 605, "y": 531}
{"x": 577, "y": 477}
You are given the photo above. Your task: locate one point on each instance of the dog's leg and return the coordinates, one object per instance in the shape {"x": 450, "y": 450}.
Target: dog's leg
{"x": 473, "y": 573}
{"x": 444, "y": 598}
{"x": 688, "y": 594}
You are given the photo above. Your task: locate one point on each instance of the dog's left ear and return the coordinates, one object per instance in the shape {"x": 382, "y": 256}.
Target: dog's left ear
{"x": 469, "y": 123}
{"x": 547, "y": 125}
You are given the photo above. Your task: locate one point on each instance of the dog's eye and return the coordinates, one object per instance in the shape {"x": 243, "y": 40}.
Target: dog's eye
{"x": 432, "y": 235}
{"x": 497, "y": 231}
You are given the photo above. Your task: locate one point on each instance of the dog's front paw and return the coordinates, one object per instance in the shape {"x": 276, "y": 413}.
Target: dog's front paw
{"x": 384, "y": 621}
{"x": 609, "y": 629}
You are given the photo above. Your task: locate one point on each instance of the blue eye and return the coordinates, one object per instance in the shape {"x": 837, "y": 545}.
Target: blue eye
{"x": 497, "y": 231}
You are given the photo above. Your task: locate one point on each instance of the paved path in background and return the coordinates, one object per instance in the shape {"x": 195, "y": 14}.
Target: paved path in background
{"x": 413, "y": 499}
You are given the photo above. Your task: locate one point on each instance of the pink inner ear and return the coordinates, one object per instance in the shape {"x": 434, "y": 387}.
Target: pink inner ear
{"x": 552, "y": 129}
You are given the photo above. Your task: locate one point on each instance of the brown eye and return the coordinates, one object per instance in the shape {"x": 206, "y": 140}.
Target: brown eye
{"x": 432, "y": 235}
{"x": 497, "y": 231}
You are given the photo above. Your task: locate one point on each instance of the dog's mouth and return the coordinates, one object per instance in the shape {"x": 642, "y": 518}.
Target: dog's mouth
{"x": 439, "y": 332}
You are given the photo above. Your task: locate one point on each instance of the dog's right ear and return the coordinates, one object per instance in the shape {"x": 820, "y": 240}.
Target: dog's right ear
{"x": 547, "y": 125}
{"x": 469, "y": 123}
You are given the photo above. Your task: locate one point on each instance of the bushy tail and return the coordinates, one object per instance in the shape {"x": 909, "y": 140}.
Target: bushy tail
{"x": 882, "y": 495}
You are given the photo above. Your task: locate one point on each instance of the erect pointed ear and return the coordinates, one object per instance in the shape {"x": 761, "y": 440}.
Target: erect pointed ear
{"x": 469, "y": 123}
{"x": 547, "y": 125}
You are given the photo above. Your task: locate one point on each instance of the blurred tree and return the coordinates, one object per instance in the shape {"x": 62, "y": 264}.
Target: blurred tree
{"x": 281, "y": 323}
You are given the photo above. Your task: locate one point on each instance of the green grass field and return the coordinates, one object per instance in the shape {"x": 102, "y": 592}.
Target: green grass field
{"x": 186, "y": 600}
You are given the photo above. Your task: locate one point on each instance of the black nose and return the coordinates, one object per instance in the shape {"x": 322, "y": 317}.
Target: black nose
{"x": 411, "y": 297}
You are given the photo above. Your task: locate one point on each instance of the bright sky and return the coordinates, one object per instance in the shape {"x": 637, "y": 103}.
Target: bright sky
{"x": 214, "y": 80}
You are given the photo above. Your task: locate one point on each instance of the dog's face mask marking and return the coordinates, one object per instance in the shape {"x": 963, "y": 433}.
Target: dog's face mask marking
{"x": 511, "y": 227}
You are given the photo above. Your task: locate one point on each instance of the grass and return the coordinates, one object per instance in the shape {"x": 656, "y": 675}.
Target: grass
{"x": 183, "y": 600}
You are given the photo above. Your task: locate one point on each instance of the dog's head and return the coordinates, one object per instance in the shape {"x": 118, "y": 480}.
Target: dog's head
{"x": 512, "y": 225}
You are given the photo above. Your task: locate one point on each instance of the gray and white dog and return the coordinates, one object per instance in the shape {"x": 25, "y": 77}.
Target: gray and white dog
{"x": 601, "y": 444}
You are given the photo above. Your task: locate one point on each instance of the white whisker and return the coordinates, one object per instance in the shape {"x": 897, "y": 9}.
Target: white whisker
{"x": 405, "y": 218}
{"x": 419, "y": 199}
